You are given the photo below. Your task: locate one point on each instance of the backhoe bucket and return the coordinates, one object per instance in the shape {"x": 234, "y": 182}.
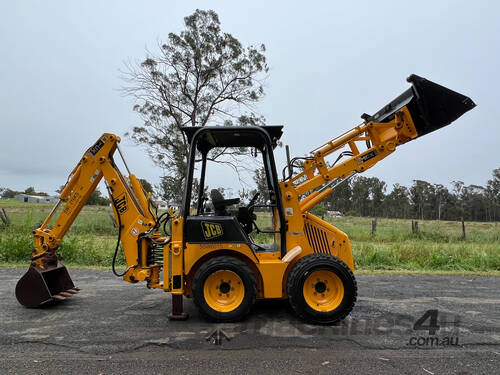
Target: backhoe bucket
{"x": 431, "y": 106}
{"x": 38, "y": 287}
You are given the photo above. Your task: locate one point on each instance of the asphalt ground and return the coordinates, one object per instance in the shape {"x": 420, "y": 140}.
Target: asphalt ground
{"x": 112, "y": 327}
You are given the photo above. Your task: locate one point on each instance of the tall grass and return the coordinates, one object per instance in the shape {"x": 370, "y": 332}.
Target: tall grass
{"x": 437, "y": 246}
{"x": 427, "y": 255}
{"x": 90, "y": 241}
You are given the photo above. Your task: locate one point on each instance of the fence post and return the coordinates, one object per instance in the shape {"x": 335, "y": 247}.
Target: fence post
{"x": 374, "y": 226}
{"x": 463, "y": 229}
{"x": 414, "y": 226}
{"x": 4, "y": 217}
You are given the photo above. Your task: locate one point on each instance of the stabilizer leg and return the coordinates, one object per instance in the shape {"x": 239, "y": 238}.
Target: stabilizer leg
{"x": 177, "y": 313}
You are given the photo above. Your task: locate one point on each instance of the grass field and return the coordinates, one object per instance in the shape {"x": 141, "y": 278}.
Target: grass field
{"x": 437, "y": 247}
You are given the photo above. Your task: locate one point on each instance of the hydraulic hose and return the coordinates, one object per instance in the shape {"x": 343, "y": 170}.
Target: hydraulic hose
{"x": 113, "y": 263}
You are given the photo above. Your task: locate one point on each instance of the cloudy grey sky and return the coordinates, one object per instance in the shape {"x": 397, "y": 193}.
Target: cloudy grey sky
{"x": 329, "y": 62}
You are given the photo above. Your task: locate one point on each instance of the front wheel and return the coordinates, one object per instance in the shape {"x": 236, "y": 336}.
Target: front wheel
{"x": 224, "y": 289}
{"x": 321, "y": 289}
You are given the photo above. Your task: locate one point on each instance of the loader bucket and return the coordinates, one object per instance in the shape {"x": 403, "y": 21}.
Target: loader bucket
{"x": 431, "y": 106}
{"x": 38, "y": 287}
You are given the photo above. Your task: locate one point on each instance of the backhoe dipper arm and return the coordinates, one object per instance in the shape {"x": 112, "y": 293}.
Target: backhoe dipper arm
{"x": 421, "y": 109}
{"x": 128, "y": 200}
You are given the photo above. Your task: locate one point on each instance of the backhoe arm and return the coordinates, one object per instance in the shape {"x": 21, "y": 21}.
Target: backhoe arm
{"x": 131, "y": 210}
{"x": 129, "y": 200}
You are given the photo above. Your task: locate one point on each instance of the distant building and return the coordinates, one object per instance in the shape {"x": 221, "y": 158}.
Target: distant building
{"x": 36, "y": 198}
{"x": 161, "y": 204}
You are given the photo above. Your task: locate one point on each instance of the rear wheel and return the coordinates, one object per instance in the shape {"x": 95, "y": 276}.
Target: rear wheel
{"x": 321, "y": 289}
{"x": 224, "y": 289}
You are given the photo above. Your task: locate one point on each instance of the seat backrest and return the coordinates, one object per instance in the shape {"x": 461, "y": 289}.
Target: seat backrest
{"x": 218, "y": 202}
{"x": 216, "y": 197}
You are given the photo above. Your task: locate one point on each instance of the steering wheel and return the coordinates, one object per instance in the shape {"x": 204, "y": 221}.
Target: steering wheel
{"x": 246, "y": 217}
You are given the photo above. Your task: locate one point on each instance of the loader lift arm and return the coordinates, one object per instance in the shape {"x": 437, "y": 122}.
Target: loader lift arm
{"x": 131, "y": 209}
{"x": 421, "y": 109}
{"x": 383, "y": 139}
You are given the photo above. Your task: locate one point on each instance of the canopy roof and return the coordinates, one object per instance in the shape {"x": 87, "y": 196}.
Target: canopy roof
{"x": 209, "y": 137}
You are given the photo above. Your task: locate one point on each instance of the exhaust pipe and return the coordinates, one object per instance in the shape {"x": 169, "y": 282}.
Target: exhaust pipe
{"x": 431, "y": 106}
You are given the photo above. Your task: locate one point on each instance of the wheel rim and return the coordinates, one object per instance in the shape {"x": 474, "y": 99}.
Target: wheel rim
{"x": 323, "y": 290}
{"x": 224, "y": 290}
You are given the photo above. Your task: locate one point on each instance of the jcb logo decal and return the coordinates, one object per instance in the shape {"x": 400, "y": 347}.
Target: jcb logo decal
{"x": 121, "y": 203}
{"x": 211, "y": 230}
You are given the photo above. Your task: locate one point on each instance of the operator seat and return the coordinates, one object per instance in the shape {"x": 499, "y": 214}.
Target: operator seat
{"x": 220, "y": 203}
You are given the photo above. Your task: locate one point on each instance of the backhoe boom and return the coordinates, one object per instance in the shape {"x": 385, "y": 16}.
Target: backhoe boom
{"x": 131, "y": 210}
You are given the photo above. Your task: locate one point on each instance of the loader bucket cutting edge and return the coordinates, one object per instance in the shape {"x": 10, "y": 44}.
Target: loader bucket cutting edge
{"x": 38, "y": 287}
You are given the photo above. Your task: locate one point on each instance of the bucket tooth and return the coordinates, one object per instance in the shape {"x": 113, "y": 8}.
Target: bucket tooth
{"x": 58, "y": 297}
{"x": 73, "y": 290}
{"x": 65, "y": 294}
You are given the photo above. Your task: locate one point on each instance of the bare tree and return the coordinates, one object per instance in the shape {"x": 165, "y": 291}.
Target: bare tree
{"x": 201, "y": 76}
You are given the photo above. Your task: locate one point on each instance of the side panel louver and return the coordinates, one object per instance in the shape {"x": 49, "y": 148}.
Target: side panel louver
{"x": 317, "y": 239}
{"x": 324, "y": 238}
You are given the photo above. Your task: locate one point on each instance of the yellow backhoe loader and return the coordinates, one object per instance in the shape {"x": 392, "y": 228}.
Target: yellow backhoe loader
{"x": 209, "y": 254}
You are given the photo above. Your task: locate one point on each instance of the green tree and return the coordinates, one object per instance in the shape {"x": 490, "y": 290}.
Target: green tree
{"x": 196, "y": 190}
{"x": 9, "y": 193}
{"x": 493, "y": 195}
{"x": 340, "y": 199}
{"x": 31, "y": 191}
{"x": 96, "y": 199}
{"x": 446, "y": 203}
{"x": 260, "y": 180}
{"x": 148, "y": 188}
{"x": 319, "y": 210}
{"x": 361, "y": 195}
{"x": 377, "y": 195}
{"x": 201, "y": 76}
{"x": 420, "y": 196}
{"x": 459, "y": 193}
{"x": 397, "y": 203}
{"x": 475, "y": 203}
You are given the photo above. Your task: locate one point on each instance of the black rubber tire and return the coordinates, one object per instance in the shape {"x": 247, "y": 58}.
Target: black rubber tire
{"x": 298, "y": 276}
{"x": 225, "y": 263}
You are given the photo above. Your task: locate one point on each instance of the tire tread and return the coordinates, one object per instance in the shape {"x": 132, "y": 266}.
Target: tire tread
{"x": 236, "y": 264}
{"x": 302, "y": 265}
